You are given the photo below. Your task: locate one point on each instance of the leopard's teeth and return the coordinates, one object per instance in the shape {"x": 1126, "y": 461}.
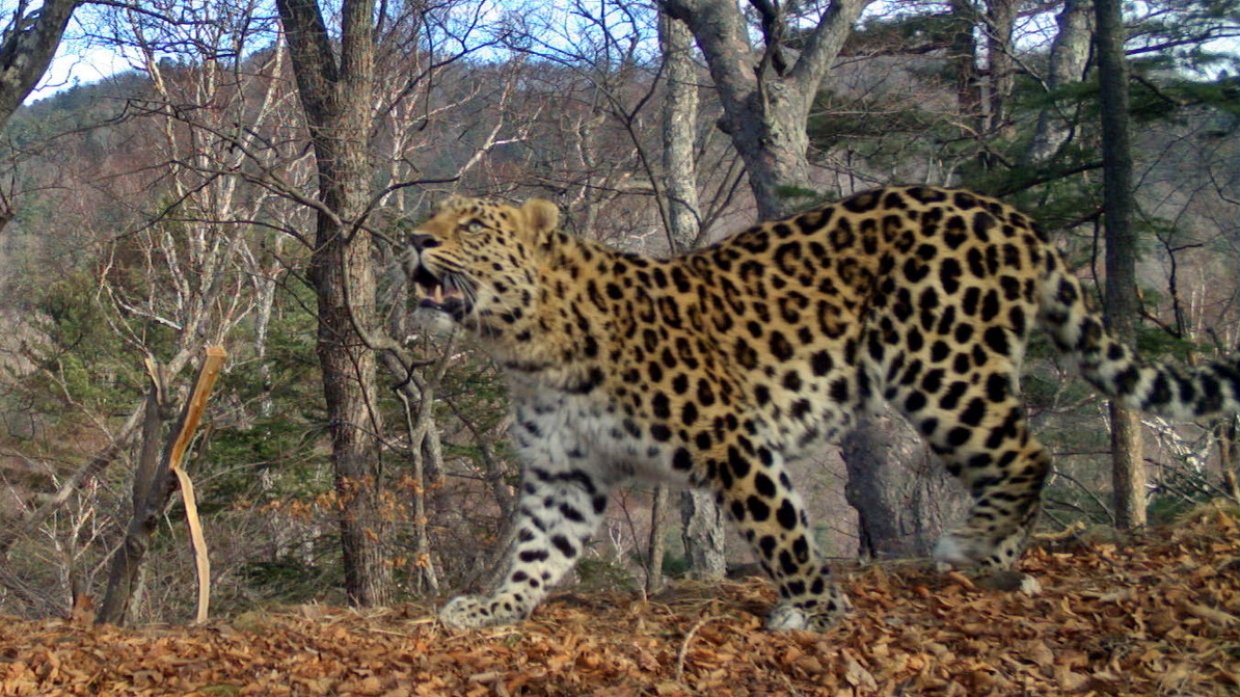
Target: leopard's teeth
{"x": 437, "y": 295}
{"x": 451, "y": 288}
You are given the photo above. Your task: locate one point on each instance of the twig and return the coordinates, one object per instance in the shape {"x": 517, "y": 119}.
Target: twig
{"x": 684, "y": 645}
{"x": 1084, "y": 489}
{"x": 97, "y": 464}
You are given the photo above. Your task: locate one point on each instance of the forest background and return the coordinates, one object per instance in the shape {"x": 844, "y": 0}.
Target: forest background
{"x": 248, "y": 180}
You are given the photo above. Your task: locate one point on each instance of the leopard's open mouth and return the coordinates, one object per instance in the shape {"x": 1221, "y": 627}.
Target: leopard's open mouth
{"x": 448, "y": 294}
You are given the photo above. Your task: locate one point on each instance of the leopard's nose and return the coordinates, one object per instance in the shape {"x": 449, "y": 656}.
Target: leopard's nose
{"x": 419, "y": 241}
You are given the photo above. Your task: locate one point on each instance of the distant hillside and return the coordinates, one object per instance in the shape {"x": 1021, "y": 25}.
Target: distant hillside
{"x": 76, "y": 107}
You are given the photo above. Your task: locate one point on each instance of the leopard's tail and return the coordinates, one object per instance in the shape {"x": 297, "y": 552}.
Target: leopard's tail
{"x": 1176, "y": 392}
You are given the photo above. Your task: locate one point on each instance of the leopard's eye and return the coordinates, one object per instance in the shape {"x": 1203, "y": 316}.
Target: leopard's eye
{"x": 473, "y": 228}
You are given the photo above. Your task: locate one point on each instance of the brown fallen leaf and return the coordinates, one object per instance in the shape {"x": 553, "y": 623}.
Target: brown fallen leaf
{"x": 1040, "y": 654}
{"x": 1157, "y": 617}
{"x": 1069, "y": 680}
{"x": 857, "y": 676}
{"x": 961, "y": 580}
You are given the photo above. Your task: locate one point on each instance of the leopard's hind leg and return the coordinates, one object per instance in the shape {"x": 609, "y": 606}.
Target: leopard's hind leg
{"x": 974, "y": 419}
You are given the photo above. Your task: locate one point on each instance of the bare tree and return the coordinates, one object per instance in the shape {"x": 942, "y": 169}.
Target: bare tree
{"x": 1122, "y": 305}
{"x": 766, "y": 98}
{"x": 335, "y": 80}
{"x": 703, "y": 532}
{"x": 1069, "y": 55}
{"x": 31, "y": 37}
{"x": 196, "y": 258}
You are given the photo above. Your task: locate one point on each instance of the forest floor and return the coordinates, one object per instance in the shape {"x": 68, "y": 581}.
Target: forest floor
{"x": 1157, "y": 614}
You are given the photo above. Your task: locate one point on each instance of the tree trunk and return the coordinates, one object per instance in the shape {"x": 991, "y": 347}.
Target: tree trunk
{"x": 657, "y": 543}
{"x": 1127, "y": 466}
{"x": 152, "y": 487}
{"x": 154, "y": 483}
{"x": 336, "y": 99}
{"x": 1000, "y": 21}
{"x": 902, "y": 497}
{"x": 964, "y": 56}
{"x": 265, "y": 283}
{"x": 1228, "y": 438}
{"x": 29, "y": 44}
{"x": 680, "y": 108}
{"x": 426, "y": 454}
{"x": 348, "y": 382}
{"x": 1068, "y": 60}
{"x": 766, "y": 103}
{"x": 703, "y": 533}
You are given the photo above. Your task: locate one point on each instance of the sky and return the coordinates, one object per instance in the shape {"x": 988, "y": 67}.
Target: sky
{"x": 78, "y": 65}
{"x": 81, "y": 61}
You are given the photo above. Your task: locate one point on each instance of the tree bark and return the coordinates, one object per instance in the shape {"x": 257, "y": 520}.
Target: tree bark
{"x": 336, "y": 96}
{"x": 124, "y": 576}
{"x": 765, "y": 103}
{"x": 704, "y": 535}
{"x": 154, "y": 484}
{"x": 1000, "y": 21}
{"x": 1127, "y": 466}
{"x": 29, "y": 44}
{"x": 902, "y": 503}
{"x": 656, "y": 544}
{"x": 680, "y": 108}
{"x": 426, "y": 453}
{"x": 964, "y": 56}
{"x": 1227, "y": 436}
{"x": 1068, "y": 60}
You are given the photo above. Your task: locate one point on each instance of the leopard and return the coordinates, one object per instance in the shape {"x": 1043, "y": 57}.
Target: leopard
{"x": 717, "y": 367}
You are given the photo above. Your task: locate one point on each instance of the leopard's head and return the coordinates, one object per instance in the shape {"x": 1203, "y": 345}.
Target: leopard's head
{"x": 476, "y": 261}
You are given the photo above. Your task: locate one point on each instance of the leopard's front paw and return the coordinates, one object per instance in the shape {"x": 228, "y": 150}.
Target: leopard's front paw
{"x": 965, "y": 548}
{"x": 956, "y": 550}
{"x": 788, "y": 615}
{"x": 475, "y": 611}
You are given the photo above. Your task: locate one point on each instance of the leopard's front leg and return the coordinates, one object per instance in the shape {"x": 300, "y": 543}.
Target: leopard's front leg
{"x": 773, "y": 519}
{"x": 559, "y": 509}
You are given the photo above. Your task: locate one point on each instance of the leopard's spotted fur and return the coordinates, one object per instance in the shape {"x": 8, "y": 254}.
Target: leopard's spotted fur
{"x": 717, "y": 367}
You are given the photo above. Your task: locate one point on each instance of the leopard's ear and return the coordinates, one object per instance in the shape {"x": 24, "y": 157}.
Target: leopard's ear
{"x": 541, "y": 216}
